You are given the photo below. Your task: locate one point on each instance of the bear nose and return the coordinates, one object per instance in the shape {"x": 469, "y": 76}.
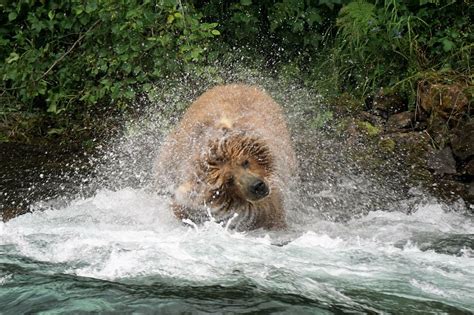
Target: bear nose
{"x": 259, "y": 189}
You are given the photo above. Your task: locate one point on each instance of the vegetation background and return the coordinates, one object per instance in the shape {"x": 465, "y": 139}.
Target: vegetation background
{"x": 66, "y": 66}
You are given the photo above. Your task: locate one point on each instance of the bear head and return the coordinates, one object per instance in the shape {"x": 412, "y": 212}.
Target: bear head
{"x": 236, "y": 169}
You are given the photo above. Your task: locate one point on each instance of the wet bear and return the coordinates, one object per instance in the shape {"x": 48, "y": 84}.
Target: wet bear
{"x": 230, "y": 157}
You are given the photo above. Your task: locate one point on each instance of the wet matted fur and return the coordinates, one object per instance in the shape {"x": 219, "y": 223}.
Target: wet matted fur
{"x": 230, "y": 154}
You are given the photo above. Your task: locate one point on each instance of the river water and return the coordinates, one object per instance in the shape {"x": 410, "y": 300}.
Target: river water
{"x": 123, "y": 251}
{"x": 357, "y": 243}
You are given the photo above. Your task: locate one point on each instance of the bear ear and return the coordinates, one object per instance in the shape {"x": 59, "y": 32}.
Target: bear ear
{"x": 225, "y": 130}
{"x": 225, "y": 125}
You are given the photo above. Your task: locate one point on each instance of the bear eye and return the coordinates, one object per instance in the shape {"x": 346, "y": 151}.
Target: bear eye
{"x": 215, "y": 161}
{"x": 246, "y": 164}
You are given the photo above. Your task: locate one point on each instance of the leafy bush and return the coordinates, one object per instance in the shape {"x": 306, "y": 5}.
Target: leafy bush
{"x": 57, "y": 55}
{"x": 74, "y": 57}
{"x": 392, "y": 43}
{"x": 277, "y": 28}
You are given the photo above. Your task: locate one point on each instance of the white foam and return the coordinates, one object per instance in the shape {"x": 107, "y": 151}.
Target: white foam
{"x": 428, "y": 288}
{"x": 5, "y": 279}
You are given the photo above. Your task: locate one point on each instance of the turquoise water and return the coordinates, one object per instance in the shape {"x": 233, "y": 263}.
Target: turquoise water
{"x": 122, "y": 251}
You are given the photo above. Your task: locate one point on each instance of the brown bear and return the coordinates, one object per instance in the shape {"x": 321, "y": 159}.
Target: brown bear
{"x": 230, "y": 157}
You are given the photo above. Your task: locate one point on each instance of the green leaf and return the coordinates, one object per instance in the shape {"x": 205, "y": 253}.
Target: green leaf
{"x": 314, "y": 18}
{"x": 246, "y": 2}
{"x": 55, "y": 131}
{"x": 78, "y": 10}
{"x": 91, "y": 6}
{"x": 129, "y": 94}
{"x": 84, "y": 19}
{"x": 52, "y": 108}
{"x": 215, "y": 32}
{"x": 51, "y": 15}
{"x": 328, "y": 3}
{"x": 13, "y": 57}
{"x": 12, "y": 16}
{"x": 147, "y": 87}
{"x": 447, "y": 44}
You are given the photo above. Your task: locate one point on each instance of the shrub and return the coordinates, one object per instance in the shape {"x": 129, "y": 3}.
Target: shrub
{"x": 59, "y": 55}
{"x": 392, "y": 43}
{"x": 277, "y": 29}
{"x": 68, "y": 57}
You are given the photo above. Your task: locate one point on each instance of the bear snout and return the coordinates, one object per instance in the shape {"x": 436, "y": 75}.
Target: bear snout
{"x": 251, "y": 187}
{"x": 258, "y": 189}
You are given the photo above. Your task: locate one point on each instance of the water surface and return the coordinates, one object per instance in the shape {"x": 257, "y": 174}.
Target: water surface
{"x": 123, "y": 251}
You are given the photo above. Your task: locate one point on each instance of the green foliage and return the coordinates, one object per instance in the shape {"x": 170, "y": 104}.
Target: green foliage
{"x": 356, "y": 20}
{"x": 281, "y": 28}
{"x": 57, "y": 55}
{"x": 72, "y": 59}
{"x": 382, "y": 43}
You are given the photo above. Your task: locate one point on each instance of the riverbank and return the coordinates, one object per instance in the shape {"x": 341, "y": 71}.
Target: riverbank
{"x": 434, "y": 141}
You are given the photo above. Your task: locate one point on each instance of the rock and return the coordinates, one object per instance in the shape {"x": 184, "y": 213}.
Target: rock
{"x": 421, "y": 115}
{"x": 442, "y": 162}
{"x": 438, "y": 130}
{"x": 347, "y": 103}
{"x": 387, "y": 103}
{"x": 414, "y": 147}
{"x": 371, "y": 118}
{"x": 469, "y": 168}
{"x": 462, "y": 140}
{"x": 446, "y": 100}
{"x": 9, "y": 213}
{"x": 468, "y": 197}
{"x": 400, "y": 121}
{"x": 415, "y": 141}
{"x": 420, "y": 125}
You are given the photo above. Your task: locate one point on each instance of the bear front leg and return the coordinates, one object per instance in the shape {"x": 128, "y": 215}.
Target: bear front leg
{"x": 183, "y": 213}
{"x": 179, "y": 211}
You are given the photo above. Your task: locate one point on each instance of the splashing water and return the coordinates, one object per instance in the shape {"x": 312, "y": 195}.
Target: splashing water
{"x": 120, "y": 249}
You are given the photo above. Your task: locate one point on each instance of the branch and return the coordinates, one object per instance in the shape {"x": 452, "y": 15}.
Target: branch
{"x": 69, "y": 50}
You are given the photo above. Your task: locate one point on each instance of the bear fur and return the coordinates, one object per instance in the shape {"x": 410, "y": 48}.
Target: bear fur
{"x": 230, "y": 154}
